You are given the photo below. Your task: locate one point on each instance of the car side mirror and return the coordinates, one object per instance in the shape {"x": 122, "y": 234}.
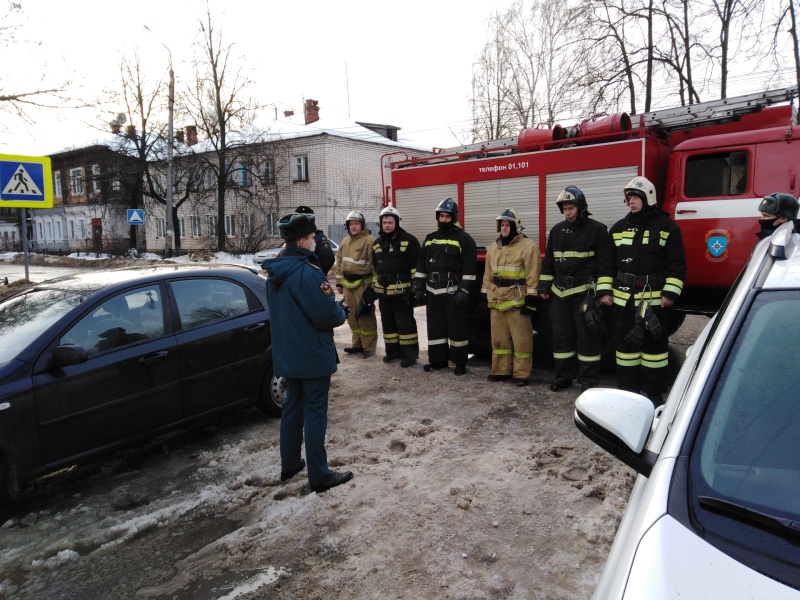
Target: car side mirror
{"x": 619, "y": 422}
{"x": 68, "y": 354}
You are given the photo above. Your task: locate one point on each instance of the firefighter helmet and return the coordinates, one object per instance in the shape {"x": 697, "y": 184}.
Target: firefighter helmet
{"x": 780, "y": 205}
{"x": 572, "y": 195}
{"x": 643, "y": 188}
{"x": 304, "y": 210}
{"x": 448, "y": 206}
{"x": 511, "y": 216}
{"x": 390, "y": 211}
{"x": 354, "y": 216}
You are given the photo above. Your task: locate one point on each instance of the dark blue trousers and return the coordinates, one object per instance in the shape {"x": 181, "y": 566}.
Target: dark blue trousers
{"x": 305, "y": 407}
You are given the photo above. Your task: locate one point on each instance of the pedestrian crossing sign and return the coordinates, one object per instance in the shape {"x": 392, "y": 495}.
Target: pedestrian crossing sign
{"x": 25, "y": 182}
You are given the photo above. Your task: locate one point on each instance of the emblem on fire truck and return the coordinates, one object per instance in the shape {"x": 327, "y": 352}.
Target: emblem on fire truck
{"x": 717, "y": 245}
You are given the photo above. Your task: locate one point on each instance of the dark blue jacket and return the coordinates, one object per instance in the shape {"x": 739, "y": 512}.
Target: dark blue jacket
{"x": 303, "y": 313}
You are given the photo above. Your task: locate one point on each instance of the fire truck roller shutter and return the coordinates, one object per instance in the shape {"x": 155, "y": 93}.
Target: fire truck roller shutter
{"x": 418, "y": 207}
{"x": 484, "y": 200}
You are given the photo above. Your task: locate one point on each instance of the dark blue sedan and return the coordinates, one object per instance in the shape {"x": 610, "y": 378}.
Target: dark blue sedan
{"x": 95, "y": 361}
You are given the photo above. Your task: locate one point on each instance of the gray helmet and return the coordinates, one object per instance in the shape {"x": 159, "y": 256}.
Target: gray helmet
{"x": 355, "y": 216}
{"x": 572, "y": 195}
{"x": 448, "y": 206}
{"x": 780, "y": 205}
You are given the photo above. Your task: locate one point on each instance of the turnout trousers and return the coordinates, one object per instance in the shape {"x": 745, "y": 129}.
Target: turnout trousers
{"x": 576, "y": 349}
{"x": 447, "y": 330}
{"x": 305, "y": 408}
{"x": 399, "y": 327}
{"x": 640, "y": 370}
{"x": 364, "y": 329}
{"x": 512, "y": 343}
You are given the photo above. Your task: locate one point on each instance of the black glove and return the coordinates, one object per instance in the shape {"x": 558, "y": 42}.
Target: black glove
{"x": 362, "y": 308}
{"x": 345, "y": 308}
{"x": 635, "y": 338}
{"x": 419, "y": 297}
{"x": 646, "y": 318}
{"x": 408, "y": 298}
{"x": 593, "y": 316}
{"x": 369, "y": 296}
{"x": 530, "y": 305}
{"x": 461, "y": 298}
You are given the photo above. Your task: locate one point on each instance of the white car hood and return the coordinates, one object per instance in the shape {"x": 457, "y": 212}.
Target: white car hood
{"x": 672, "y": 562}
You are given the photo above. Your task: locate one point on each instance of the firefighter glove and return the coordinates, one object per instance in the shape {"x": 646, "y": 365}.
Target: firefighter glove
{"x": 652, "y": 324}
{"x": 345, "y": 308}
{"x": 419, "y": 297}
{"x": 409, "y": 299}
{"x": 635, "y": 338}
{"x": 369, "y": 296}
{"x": 363, "y": 308}
{"x": 530, "y": 305}
{"x": 593, "y": 316}
{"x": 461, "y": 298}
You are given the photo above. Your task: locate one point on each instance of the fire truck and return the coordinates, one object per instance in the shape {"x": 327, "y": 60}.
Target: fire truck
{"x": 711, "y": 164}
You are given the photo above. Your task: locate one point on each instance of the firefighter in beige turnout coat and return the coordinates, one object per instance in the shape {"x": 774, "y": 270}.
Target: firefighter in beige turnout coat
{"x": 353, "y": 275}
{"x": 510, "y": 283}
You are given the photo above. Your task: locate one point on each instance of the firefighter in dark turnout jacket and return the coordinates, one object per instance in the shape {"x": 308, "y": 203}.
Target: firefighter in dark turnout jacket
{"x": 394, "y": 258}
{"x": 570, "y": 273}
{"x": 643, "y": 277}
{"x": 446, "y": 273}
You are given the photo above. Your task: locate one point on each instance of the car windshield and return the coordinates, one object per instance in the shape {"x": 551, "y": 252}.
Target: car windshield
{"x": 749, "y": 440}
{"x": 24, "y": 318}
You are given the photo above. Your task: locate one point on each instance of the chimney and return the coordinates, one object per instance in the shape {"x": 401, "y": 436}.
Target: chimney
{"x": 179, "y": 137}
{"x": 288, "y": 113}
{"x": 312, "y": 111}
{"x": 130, "y": 132}
{"x": 191, "y": 134}
{"x": 115, "y": 128}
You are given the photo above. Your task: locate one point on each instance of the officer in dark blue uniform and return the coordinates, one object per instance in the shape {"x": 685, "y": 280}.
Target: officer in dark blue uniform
{"x": 303, "y": 313}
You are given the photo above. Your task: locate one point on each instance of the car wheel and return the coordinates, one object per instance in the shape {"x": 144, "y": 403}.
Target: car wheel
{"x": 273, "y": 389}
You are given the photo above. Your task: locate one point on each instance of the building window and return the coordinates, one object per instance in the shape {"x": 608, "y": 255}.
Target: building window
{"x": 57, "y": 184}
{"x": 58, "y": 234}
{"x": 116, "y": 185}
{"x": 301, "y": 167}
{"x": 40, "y": 232}
{"x": 96, "y": 179}
{"x": 268, "y": 171}
{"x": 212, "y": 225}
{"x": 209, "y": 177}
{"x": 194, "y": 221}
{"x": 48, "y": 229}
{"x": 180, "y": 227}
{"x": 230, "y": 225}
{"x": 82, "y": 228}
{"x": 71, "y": 229}
{"x": 244, "y": 174}
{"x": 76, "y": 181}
{"x": 247, "y": 224}
{"x": 272, "y": 223}
{"x": 161, "y": 227}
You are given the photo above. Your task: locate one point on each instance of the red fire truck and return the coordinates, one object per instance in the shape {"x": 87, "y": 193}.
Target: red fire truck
{"x": 711, "y": 164}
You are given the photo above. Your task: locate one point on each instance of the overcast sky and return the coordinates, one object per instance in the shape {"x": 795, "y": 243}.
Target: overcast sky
{"x": 402, "y": 63}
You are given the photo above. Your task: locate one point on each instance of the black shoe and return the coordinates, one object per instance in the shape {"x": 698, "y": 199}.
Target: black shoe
{"x": 390, "y": 358}
{"x": 520, "y": 382}
{"x": 560, "y": 385}
{"x": 353, "y": 350}
{"x": 496, "y": 378}
{"x": 408, "y": 362}
{"x": 334, "y": 480}
{"x": 287, "y": 475}
{"x": 460, "y": 370}
{"x": 367, "y": 353}
{"x": 434, "y": 366}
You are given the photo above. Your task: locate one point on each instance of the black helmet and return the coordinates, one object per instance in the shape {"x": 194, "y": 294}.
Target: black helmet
{"x": 448, "y": 206}
{"x": 572, "y": 195}
{"x": 304, "y": 210}
{"x": 780, "y": 205}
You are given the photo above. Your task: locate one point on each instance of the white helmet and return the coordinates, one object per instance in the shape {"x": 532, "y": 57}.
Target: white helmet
{"x": 642, "y": 187}
{"x": 390, "y": 211}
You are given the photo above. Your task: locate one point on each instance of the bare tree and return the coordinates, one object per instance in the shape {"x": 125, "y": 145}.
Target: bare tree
{"x": 787, "y": 23}
{"x": 224, "y": 114}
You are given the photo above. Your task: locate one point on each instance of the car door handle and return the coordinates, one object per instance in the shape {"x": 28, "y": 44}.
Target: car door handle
{"x": 154, "y": 357}
{"x": 256, "y": 327}
{"x": 681, "y": 211}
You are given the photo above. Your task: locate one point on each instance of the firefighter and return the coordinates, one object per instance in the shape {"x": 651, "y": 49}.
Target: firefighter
{"x": 394, "y": 258}
{"x": 569, "y": 275}
{"x": 642, "y": 275}
{"x": 448, "y": 261}
{"x": 353, "y": 276}
{"x": 510, "y": 280}
{"x": 323, "y": 255}
{"x": 776, "y": 209}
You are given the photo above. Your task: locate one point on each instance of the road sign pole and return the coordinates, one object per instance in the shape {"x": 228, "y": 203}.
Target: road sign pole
{"x": 25, "y": 240}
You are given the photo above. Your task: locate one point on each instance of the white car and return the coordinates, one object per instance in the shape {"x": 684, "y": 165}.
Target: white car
{"x": 715, "y": 511}
{"x": 270, "y": 253}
